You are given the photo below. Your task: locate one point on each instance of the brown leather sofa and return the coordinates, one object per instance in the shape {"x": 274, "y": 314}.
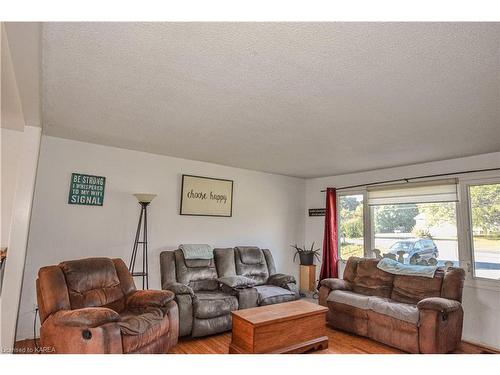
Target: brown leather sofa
{"x": 413, "y": 313}
{"x": 92, "y": 306}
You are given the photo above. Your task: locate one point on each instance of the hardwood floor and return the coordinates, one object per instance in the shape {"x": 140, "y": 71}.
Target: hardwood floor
{"x": 339, "y": 343}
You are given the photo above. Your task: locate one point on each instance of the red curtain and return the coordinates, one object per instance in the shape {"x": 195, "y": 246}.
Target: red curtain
{"x": 330, "y": 240}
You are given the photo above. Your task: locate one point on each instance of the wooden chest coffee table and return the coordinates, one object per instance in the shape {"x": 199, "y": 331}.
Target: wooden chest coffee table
{"x": 290, "y": 327}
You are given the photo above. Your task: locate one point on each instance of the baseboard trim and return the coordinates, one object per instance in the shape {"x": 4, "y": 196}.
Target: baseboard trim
{"x": 482, "y": 345}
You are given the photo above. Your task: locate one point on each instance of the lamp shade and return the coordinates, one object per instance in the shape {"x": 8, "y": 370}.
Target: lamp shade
{"x": 144, "y": 197}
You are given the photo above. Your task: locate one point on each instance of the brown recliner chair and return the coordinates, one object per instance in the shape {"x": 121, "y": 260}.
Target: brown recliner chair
{"x": 92, "y": 306}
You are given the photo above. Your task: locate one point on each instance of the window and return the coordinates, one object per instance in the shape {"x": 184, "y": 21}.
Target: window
{"x": 484, "y": 201}
{"x": 419, "y": 233}
{"x": 351, "y": 228}
{"x": 415, "y": 223}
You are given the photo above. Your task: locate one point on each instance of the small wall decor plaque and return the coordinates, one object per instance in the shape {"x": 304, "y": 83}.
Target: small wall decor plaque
{"x": 204, "y": 196}
{"x": 317, "y": 211}
{"x": 86, "y": 189}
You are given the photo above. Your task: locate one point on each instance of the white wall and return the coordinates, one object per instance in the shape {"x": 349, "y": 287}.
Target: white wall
{"x": 481, "y": 305}
{"x": 24, "y": 43}
{"x": 268, "y": 211}
{"x": 19, "y": 233}
{"x": 20, "y": 110}
{"x": 10, "y": 143}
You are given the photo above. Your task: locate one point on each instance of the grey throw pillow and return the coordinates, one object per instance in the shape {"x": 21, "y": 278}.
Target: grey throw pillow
{"x": 237, "y": 282}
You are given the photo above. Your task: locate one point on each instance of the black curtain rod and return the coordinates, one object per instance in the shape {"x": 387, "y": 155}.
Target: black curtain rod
{"x": 415, "y": 178}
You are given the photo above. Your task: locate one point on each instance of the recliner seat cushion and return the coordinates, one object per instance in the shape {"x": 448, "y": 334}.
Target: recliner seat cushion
{"x": 270, "y": 294}
{"x": 349, "y": 298}
{"x": 153, "y": 332}
{"x": 137, "y": 322}
{"x": 212, "y": 304}
{"x": 401, "y": 311}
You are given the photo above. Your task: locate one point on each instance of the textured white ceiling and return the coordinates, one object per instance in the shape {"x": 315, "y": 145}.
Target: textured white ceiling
{"x": 301, "y": 99}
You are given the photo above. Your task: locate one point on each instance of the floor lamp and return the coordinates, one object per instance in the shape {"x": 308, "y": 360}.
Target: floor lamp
{"x": 144, "y": 201}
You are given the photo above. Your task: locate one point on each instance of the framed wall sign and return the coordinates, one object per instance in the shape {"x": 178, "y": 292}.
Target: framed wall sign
{"x": 204, "y": 196}
{"x": 317, "y": 211}
{"x": 86, "y": 189}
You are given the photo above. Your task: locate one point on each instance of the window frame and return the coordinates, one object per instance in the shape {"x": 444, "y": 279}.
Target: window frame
{"x": 366, "y": 220}
{"x": 464, "y": 225}
{"x": 469, "y": 259}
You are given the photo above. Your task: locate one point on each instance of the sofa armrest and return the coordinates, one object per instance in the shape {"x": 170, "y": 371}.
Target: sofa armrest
{"x": 443, "y": 305}
{"x": 149, "y": 298}
{"x": 82, "y": 331}
{"x": 178, "y": 288}
{"x": 86, "y": 317}
{"x": 281, "y": 280}
{"x": 336, "y": 284}
{"x": 440, "y": 325}
{"x": 172, "y": 310}
{"x": 237, "y": 282}
{"x": 293, "y": 288}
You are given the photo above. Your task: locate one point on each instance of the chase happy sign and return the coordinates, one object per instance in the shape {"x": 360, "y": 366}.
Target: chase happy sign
{"x": 86, "y": 189}
{"x": 204, "y": 196}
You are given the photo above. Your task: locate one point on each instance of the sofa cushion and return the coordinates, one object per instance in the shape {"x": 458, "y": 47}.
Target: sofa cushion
{"x": 224, "y": 261}
{"x": 250, "y": 262}
{"x": 349, "y": 298}
{"x": 213, "y": 304}
{"x": 151, "y": 329}
{"x": 371, "y": 281}
{"x": 198, "y": 278}
{"x": 204, "y": 327}
{"x": 204, "y": 285}
{"x": 411, "y": 289}
{"x": 199, "y": 263}
{"x": 93, "y": 282}
{"x": 236, "y": 281}
{"x": 401, "y": 311}
{"x": 250, "y": 255}
{"x": 139, "y": 321}
{"x": 270, "y": 294}
{"x": 381, "y": 305}
{"x": 350, "y": 269}
{"x": 281, "y": 279}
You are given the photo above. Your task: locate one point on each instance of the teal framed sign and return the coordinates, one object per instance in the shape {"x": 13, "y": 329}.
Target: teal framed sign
{"x": 86, "y": 189}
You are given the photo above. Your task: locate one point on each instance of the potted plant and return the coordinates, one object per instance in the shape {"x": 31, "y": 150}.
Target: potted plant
{"x": 306, "y": 256}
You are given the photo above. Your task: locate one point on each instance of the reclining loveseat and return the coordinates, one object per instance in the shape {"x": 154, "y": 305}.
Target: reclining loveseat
{"x": 207, "y": 290}
{"x": 414, "y": 313}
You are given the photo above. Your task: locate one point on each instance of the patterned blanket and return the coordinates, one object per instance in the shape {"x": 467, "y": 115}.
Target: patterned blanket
{"x": 197, "y": 251}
